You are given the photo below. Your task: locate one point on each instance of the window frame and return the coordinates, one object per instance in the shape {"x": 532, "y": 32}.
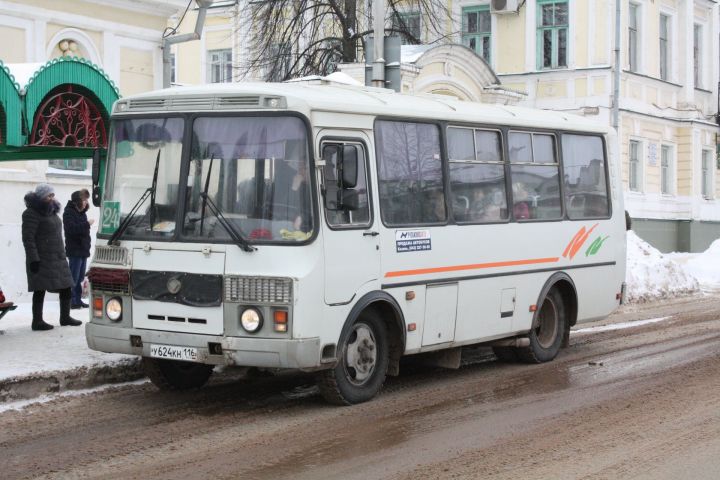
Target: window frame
{"x": 555, "y": 37}
{"x": 634, "y": 36}
{"x": 348, "y": 140}
{"x": 66, "y": 165}
{"x": 707, "y": 167}
{"x": 638, "y": 188}
{"x": 222, "y": 63}
{"x": 443, "y": 170}
{"x": 555, "y": 134}
{"x": 606, "y": 174}
{"x": 667, "y": 172}
{"x": 406, "y": 18}
{"x": 480, "y": 36}
{"x": 698, "y": 67}
{"x": 503, "y": 162}
{"x": 665, "y": 45}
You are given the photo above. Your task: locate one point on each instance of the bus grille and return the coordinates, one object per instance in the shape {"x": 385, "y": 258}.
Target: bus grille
{"x": 111, "y": 255}
{"x": 258, "y": 290}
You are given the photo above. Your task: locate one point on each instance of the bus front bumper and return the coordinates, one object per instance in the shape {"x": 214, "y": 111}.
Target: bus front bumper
{"x": 246, "y": 352}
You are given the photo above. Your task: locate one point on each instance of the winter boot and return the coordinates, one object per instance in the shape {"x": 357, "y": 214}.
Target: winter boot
{"x": 37, "y": 311}
{"x": 65, "y": 318}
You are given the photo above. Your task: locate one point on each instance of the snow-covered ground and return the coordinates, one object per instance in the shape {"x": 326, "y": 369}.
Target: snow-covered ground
{"x": 650, "y": 275}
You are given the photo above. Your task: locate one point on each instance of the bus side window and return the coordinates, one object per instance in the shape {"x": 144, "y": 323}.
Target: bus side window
{"x": 410, "y": 173}
{"x": 477, "y": 175}
{"x": 348, "y": 215}
{"x": 584, "y": 166}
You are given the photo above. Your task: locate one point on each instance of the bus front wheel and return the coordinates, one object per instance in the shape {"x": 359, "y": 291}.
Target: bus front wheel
{"x": 176, "y": 375}
{"x": 362, "y": 364}
{"x": 547, "y": 332}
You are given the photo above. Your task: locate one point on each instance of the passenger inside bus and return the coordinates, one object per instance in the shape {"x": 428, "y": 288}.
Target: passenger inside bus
{"x": 521, "y": 206}
{"x": 291, "y": 193}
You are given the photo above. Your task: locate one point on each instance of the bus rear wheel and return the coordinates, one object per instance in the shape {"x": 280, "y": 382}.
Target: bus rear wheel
{"x": 176, "y": 375}
{"x": 362, "y": 364}
{"x": 548, "y": 330}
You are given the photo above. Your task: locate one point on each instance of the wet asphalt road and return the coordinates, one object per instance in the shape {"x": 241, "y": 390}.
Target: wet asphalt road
{"x": 641, "y": 402}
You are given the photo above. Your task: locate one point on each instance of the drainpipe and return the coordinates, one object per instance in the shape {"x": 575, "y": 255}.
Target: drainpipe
{"x": 378, "y": 70}
{"x": 616, "y": 79}
{"x": 187, "y": 37}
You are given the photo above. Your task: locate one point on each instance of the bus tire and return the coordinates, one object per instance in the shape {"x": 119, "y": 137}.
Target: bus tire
{"x": 362, "y": 363}
{"x": 176, "y": 375}
{"x": 546, "y": 335}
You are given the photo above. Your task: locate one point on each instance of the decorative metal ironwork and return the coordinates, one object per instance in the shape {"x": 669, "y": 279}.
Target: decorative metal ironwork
{"x": 69, "y": 119}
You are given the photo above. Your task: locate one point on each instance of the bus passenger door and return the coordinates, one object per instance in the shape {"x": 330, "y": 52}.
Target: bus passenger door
{"x": 352, "y": 255}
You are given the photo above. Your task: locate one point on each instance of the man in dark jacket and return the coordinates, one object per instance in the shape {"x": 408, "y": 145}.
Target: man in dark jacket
{"x": 45, "y": 261}
{"x": 77, "y": 242}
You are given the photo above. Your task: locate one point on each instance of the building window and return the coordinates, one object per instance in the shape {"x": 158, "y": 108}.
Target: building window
{"x": 706, "y": 175}
{"x": 220, "y": 65}
{"x": 666, "y": 170}
{"x": 664, "y": 46}
{"x": 552, "y": 34}
{"x": 633, "y": 37}
{"x": 635, "y": 166}
{"x": 279, "y": 62}
{"x": 477, "y": 30}
{"x": 697, "y": 55}
{"x": 75, "y": 164}
{"x": 407, "y": 22}
{"x": 172, "y": 67}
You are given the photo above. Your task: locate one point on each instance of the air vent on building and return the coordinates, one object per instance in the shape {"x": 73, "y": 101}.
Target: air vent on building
{"x": 504, "y": 6}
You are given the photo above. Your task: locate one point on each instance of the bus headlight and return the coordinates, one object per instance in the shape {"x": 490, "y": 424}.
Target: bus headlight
{"x": 251, "y": 319}
{"x": 113, "y": 309}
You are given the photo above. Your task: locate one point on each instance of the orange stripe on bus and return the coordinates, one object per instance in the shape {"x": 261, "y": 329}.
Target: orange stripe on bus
{"x": 476, "y": 266}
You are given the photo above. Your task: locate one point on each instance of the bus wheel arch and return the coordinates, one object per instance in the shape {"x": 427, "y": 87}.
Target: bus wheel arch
{"x": 376, "y": 321}
{"x": 556, "y": 312}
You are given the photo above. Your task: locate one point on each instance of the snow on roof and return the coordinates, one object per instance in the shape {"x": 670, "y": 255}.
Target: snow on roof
{"x": 411, "y": 53}
{"x": 23, "y": 72}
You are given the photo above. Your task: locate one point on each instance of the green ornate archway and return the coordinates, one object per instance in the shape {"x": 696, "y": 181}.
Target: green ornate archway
{"x": 10, "y": 109}
{"x": 66, "y": 89}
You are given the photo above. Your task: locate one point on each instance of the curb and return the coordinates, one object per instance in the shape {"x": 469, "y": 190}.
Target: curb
{"x": 34, "y": 385}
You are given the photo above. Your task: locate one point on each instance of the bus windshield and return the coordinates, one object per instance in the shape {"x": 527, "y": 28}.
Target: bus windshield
{"x": 139, "y": 148}
{"x": 252, "y": 172}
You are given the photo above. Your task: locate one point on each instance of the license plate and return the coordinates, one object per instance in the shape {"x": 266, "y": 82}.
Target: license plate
{"x": 172, "y": 352}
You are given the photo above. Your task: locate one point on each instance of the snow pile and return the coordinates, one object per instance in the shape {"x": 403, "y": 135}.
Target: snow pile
{"x": 651, "y": 275}
{"x": 706, "y": 267}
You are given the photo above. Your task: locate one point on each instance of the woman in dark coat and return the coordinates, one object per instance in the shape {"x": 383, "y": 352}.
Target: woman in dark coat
{"x": 77, "y": 242}
{"x": 45, "y": 262}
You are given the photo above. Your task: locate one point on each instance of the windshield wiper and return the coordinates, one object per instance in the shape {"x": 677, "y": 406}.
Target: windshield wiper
{"x": 153, "y": 188}
{"x": 237, "y": 238}
{"x": 204, "y": 194}
{"x": 150, "y": 192}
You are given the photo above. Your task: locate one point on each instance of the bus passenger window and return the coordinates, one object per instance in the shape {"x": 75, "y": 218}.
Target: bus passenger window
{"x": 534, "y": 171}
{"x": 584, "y": 167}
{"x": 477, "y": 175}
{"x": 410, "y": 177}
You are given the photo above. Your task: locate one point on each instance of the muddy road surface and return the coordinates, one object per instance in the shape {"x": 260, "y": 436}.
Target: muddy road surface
{"x": 639, "y": 402}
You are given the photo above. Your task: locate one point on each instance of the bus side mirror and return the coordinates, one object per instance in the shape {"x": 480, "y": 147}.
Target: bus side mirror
{"x": 96, "y": 177}
{"x": 348, "y": 166}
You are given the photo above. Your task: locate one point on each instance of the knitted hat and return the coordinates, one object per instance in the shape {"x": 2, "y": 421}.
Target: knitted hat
{"x": 76, "y": 197}
{"x": 43, "y": 190}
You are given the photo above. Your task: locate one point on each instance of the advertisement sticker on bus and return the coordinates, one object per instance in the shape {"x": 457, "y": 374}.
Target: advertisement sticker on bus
{"x": 412, "y": 240}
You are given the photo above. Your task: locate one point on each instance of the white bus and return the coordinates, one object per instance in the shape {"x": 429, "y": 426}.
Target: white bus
{"x": 335, "y": 229}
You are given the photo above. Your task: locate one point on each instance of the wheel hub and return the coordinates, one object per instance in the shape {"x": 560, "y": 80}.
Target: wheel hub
{"x": 361, "y": 354}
